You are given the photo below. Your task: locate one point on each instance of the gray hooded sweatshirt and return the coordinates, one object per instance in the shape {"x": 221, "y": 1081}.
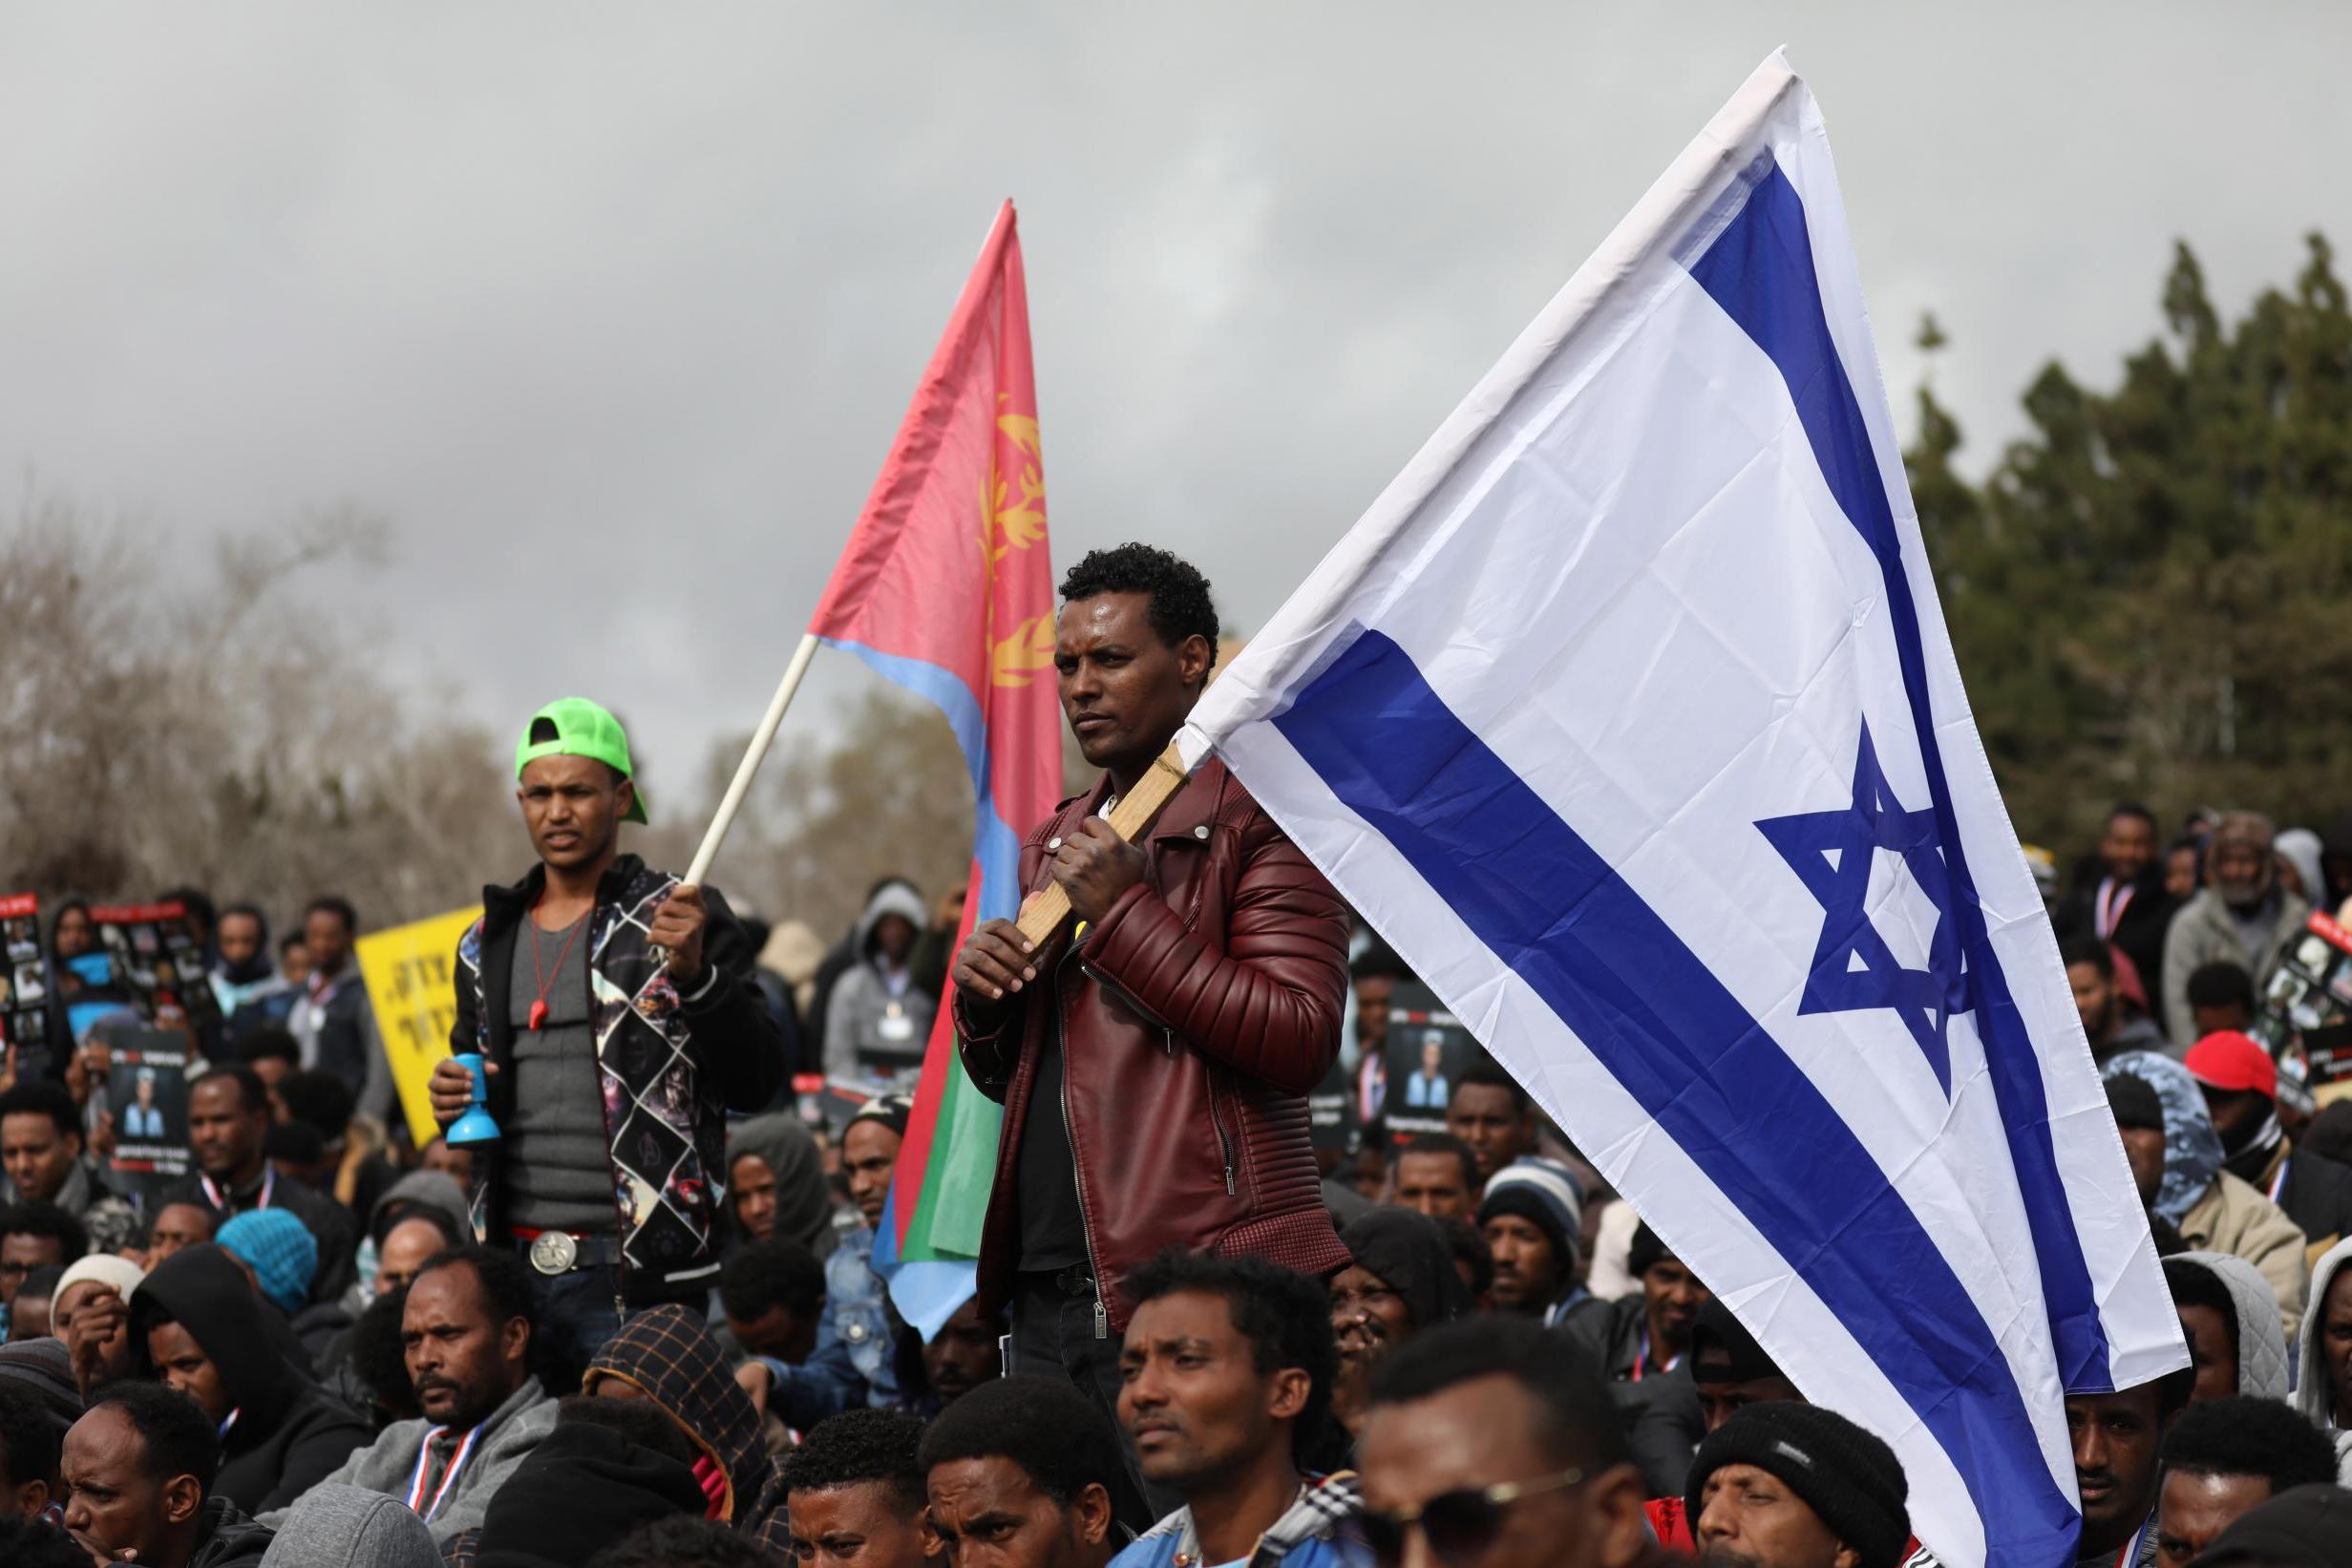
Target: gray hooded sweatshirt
{"x": 385, "y": 1466}
{"x": 2315, "y": 1384}
{"x": 2261, "y": 1345}
{"x": 350, "y": 1527}
{"x": 877, "y": 1022}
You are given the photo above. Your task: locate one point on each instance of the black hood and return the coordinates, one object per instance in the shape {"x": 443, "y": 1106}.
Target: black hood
{"x": 1409, "y": 1252}
{"x": 583, "y": 1487}
{"x": 202, "y": 1290}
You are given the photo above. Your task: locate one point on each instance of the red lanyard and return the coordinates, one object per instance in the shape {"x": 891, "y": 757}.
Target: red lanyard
{"x": 417, "y": 1505}
{"x": 222, "y": 1198}
{"x": 539, "y": 1007}
{"x": 1641, "y": 1357}
{"x": 2113, "y": 899}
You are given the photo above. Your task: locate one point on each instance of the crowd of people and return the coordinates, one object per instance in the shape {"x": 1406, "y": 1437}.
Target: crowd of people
{"x": 642, "y": 1325}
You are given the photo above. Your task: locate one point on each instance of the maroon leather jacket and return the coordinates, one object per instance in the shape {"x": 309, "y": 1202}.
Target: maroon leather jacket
{"x": 1196, "y": 1016}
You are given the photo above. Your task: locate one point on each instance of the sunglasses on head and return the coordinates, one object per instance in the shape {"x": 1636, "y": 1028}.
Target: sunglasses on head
{"x": 1459, "y": 1525}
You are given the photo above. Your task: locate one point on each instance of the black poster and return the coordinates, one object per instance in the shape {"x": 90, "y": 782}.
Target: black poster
{"x": 148, "y": 1094}
{"x": 26, "y": 993}
{"x": 1426, "y": 1052}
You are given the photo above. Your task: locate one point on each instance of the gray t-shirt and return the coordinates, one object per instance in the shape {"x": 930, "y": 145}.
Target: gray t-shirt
{"x": 558, "y": 1162}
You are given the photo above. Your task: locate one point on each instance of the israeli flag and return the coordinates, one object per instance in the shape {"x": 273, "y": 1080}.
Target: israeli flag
{"x": 1627, "y": 714}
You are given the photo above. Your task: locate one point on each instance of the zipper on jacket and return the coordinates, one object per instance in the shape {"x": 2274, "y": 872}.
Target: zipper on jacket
{"x": 1224, "y": 1144}
{"x": 1077, "y": 1175}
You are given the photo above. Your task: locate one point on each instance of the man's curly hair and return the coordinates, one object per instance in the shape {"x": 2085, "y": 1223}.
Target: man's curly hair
{"x": 1180, "y": 595}
{"x": 857, "y": 1447}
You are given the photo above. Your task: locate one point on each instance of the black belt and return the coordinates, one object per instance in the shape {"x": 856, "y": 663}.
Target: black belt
{"x": 557, "y": 1253}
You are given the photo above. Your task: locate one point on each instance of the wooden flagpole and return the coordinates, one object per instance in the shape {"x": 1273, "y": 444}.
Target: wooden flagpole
{"x": 1044, "y": 911}
{"x": 761, "y": 738}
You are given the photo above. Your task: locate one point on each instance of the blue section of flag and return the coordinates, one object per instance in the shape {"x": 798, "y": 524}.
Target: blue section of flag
{"x": 927, "y": 1292}
{"x": 1550, "y": 907}
{"x": 995, "y": 845}
{"x": 1760, "y": 270}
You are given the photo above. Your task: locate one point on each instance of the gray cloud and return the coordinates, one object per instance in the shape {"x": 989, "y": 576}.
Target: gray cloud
{"x": 614, "y": 310}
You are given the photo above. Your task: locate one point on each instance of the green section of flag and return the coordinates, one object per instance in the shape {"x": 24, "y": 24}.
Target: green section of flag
{"x": 957, "y": 1176}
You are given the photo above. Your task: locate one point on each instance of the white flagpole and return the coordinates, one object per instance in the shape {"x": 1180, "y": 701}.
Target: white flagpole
{"x": 761, "y": 738}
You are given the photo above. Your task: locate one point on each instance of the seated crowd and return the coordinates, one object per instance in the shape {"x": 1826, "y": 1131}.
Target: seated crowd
{"x": 301, "y": 1355}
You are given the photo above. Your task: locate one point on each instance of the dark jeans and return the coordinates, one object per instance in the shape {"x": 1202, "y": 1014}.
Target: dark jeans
{"x": 574, "y": 1315}
{"x": 1053, "y": 1335}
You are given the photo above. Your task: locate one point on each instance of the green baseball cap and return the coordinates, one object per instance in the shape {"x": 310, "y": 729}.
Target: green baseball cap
{"x": 576, "y": 726}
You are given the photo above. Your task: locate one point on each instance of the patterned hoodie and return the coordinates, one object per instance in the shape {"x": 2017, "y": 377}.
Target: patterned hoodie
{"x": 672, "y": 1066}
{"x": 668, "y": 1355}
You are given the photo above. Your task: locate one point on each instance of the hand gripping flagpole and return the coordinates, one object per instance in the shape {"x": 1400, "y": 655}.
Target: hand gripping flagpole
{"x": 1043, "y": 912}
{"x": 740, "y": 785}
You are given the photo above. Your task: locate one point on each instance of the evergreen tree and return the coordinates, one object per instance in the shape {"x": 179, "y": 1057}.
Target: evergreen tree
{"x": 2148, "y": 594}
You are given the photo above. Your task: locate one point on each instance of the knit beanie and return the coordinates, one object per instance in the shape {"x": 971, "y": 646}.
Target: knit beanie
{"x": 279, "y": 1250}
{"x": 1722, "y": 1349}
{"x": 119, "y": 1275}
{"x": 1845, "y": 1476}
{"x": 42, "y": 1370}
{"x": 1545, "y": 1194}
{"x": 1646, "y": 1252}
{"x": 2135, "y": 1102}
{"x": 892, "y": 1111}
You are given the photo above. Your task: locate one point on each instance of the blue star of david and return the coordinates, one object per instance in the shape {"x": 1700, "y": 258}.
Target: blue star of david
{"x": 1853, "y": 970}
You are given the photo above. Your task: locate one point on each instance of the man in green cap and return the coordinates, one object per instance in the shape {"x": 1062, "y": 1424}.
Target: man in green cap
{"x": 614, "y": 1007}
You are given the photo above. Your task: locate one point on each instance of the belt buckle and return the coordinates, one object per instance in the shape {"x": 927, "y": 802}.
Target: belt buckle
{"x": 554, "y": 1252}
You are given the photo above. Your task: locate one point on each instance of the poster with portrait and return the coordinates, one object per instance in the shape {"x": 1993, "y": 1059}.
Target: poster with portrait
{"x": 1426, "y": 1051}
{"x": 2302, "y": 1013}
{"x": 149, "y": 1093}
{"x": 158, "y": 964}
{"x": 26, "y": 992}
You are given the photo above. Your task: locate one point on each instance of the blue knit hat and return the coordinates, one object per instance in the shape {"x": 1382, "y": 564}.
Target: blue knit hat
{"x": 279, "y": 1250}
{"x": 1545, "y": 1194}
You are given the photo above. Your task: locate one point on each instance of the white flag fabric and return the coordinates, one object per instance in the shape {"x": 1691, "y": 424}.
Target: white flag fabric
{"x": 1628, "y": 716}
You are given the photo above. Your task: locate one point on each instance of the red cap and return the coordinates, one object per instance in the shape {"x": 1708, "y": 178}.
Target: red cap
{"x": 2228, "y": 1060}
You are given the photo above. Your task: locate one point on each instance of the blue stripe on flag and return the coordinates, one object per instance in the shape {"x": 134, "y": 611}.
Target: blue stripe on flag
{"x": 1548, "y": 905}
{"x": 995, "y": 844}
{"x": 1760, "y": 270}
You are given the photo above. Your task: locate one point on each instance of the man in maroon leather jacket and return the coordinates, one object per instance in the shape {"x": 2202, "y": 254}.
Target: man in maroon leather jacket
{"x": 1154, "y": 1067}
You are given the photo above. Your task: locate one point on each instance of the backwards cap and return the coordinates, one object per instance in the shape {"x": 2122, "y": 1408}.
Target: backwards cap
{"x": 576, "y": 726}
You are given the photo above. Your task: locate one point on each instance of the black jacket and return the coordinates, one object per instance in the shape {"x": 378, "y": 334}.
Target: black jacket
{"x": 684, "y": 1062}
{"x": 329, "y": 1223}
{"x": 2139, "y": 933}
{"x": 226, "y": 1538}
{"x": 2314, "y": 1192}
{"x": 288, "y": 1434}
{"x": 1612, "y": 1337}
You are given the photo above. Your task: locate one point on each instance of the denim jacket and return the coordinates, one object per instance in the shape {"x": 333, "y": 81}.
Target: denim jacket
{"x": 853, "y": 1362}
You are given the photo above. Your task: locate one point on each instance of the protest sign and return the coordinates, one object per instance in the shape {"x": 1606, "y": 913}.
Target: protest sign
{"x": 2305, "y": 1007}
{"x": 1427, "y": 1051}
{"x": 149, "y": 1084}
{"x": 25, "y": 986}
{"x": 412, "y": 976}
{"x": 158, "y": 966}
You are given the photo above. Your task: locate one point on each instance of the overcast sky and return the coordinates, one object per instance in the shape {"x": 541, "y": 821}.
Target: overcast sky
{"x": 613, "y": 310}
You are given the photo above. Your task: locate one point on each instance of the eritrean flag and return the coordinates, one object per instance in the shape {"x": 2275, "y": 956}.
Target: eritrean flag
{"x": 946, "y": 588}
